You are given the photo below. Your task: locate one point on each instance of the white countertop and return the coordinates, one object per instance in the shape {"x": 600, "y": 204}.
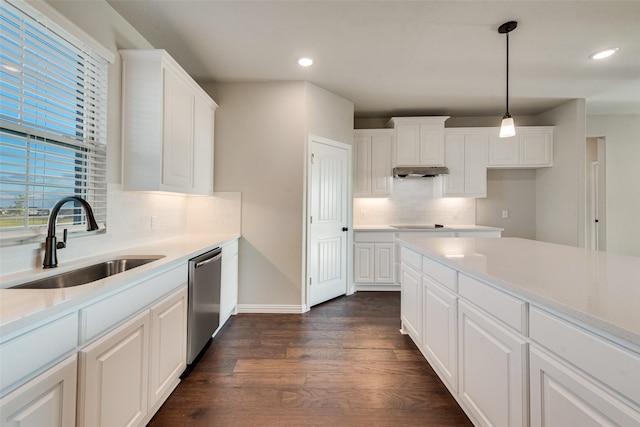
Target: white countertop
{"x": 445, "y": 228}
{"x": 20, "y": 308}
{"x": 597, "y": 288}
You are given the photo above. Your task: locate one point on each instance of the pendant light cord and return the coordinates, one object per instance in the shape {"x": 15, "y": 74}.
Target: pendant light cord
{"x": 508, "y": 75}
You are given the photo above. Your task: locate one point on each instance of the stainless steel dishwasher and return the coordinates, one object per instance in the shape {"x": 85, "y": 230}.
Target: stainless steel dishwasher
{"x": 204, "y": 301}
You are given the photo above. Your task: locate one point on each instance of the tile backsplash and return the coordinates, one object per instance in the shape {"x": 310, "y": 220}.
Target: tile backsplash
{"x": 136, "y": 218}
{"x": 413, "y": 202}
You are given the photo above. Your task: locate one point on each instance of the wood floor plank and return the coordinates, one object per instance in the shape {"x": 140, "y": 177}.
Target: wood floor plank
{"x": 344, "y": 363}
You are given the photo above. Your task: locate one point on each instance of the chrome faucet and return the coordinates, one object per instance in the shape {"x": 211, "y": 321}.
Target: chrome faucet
{"x": 50, "y": 244}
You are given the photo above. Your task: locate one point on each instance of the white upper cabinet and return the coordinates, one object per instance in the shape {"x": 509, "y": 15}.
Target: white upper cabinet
{"x": 373, "y": 154}
{"x": 167, "y": 126}
{"x": 466, "y": 157}
{"x": 532, "y": 147}
{"x": 419, "y": 140}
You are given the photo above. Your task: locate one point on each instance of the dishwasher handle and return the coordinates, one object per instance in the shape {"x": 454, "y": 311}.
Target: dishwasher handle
{"x": 207, "y": 261}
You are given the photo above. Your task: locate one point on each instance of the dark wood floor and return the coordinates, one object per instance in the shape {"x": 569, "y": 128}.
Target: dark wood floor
{"x": 344, "y": 363}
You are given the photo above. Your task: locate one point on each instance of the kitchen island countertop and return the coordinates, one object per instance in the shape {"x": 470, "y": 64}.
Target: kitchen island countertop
{"x": 598, "y": 288}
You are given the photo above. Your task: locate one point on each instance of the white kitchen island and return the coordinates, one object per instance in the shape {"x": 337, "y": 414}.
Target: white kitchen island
{"x": 525, "y": 332}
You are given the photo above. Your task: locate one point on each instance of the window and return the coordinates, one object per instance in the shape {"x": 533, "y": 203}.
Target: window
{"x": 53, "y": 92}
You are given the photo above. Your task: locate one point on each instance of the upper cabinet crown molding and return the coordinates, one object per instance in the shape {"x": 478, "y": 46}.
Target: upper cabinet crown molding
{"x": 167, "y": 126}
{"x": 419, "y": 140}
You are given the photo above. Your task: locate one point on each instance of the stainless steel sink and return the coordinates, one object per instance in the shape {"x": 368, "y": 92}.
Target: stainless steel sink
{"x": 89, "y": 274}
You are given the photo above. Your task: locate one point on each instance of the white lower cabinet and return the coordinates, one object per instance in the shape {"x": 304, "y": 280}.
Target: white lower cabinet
{"x": 168, "y": 343}
{"x": 125, "y": 374}
{"x": 439, "y": 329}
{"x": 374, "y": 260}
{"x": 560, "y": 396}
{"x": 47, "y": 400}
{"x": 493, "y": 370}
{"x": 113, "y": 377}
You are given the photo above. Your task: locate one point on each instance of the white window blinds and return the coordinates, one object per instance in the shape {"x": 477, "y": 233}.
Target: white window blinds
{"x": 53, "y": 92}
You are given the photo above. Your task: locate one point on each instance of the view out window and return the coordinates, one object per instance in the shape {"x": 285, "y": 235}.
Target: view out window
{"x": 53, "y": 92}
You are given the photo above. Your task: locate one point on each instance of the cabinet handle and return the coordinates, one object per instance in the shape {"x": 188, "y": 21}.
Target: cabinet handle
{"x": 345, "y": 228}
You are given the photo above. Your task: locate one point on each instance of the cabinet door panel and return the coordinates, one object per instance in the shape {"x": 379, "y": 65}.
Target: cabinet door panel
{"x": 492, "y": 369}
{"x": 381, "y": 152}
{"x": 114, "y": 377}
{"x": 363, "y": 262}
{"x": 362, "y": 154}
{"x": 408, "y": 145}
{"x": 47, "y": 400}
{"x": 560, "y": 397}
{"x": 440, "y": 330}
{"x": 454, "y": 159}
{"x": 535, "y": 149}
{"x": 476, "y": 159}
{"x": 168, "y": 346}
{"x": 384, "y": 263}
{"x": 431, "y": 146}
{"x": 177, "y": 166}
{"x": 504, "y": 151}
{"x": 411, "y": 303}
{"x": 203, "y": 130}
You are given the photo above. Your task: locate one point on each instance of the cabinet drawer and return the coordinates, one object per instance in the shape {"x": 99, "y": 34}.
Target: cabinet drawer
{"x": 374, "y": 237}
{"x": 615, "y": 366}
{"x": 510, "y": 310}
{"x": 411, "y": 258}
{"x": 444, "y": 275}
{"x": 109, "y": 312}
{"x": 28, "y": 354}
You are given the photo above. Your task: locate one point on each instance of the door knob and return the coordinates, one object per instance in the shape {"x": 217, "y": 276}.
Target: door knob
{"x": 345, "y": 228}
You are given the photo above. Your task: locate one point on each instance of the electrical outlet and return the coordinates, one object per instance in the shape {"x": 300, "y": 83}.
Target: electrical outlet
{"x": 505, "y": 214}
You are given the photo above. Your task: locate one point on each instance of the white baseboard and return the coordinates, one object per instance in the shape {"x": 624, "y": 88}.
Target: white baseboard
{"x": 376, "y": 287}
{"x": 272, "y": 308}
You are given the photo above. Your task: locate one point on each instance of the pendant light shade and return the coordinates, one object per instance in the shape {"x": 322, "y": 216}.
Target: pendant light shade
{"x": 507, "y": 127}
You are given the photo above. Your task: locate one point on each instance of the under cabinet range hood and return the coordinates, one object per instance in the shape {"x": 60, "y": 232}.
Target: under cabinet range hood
{"x": 419, "y": 171}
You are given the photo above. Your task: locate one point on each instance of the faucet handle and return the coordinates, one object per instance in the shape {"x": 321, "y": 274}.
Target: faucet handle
{"x": 63, "y": 244}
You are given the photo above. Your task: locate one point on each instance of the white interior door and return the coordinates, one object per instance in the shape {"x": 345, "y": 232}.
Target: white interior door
{"x": 328, "y": 220}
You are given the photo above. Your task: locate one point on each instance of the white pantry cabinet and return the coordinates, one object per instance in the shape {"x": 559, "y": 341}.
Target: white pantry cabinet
{"x": 167, "y": 126}
{"x": 419, "y": 140}
{"x": 47, "y": 400}
{"x": 466, "y": 156}
{"x": 373, "y": 162}
{"x": 531, "y": 147}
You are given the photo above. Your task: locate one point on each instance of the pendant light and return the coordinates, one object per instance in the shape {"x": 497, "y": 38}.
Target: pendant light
{"x": 507, "y": 128}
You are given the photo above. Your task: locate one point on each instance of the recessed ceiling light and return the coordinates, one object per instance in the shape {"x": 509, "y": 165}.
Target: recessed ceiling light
{"x": 604, "y": 53}
{"x": 305, "y": 61}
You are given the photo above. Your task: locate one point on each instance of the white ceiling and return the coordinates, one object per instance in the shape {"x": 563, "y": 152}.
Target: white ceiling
{"x": 410, "y": 57}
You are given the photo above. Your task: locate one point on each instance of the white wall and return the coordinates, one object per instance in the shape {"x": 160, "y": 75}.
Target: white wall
{"x": 514, "y": 191}
{"x": 560, "y": 190}
{"x": 261, "y": 140}
{"x": 622, "y": 145}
